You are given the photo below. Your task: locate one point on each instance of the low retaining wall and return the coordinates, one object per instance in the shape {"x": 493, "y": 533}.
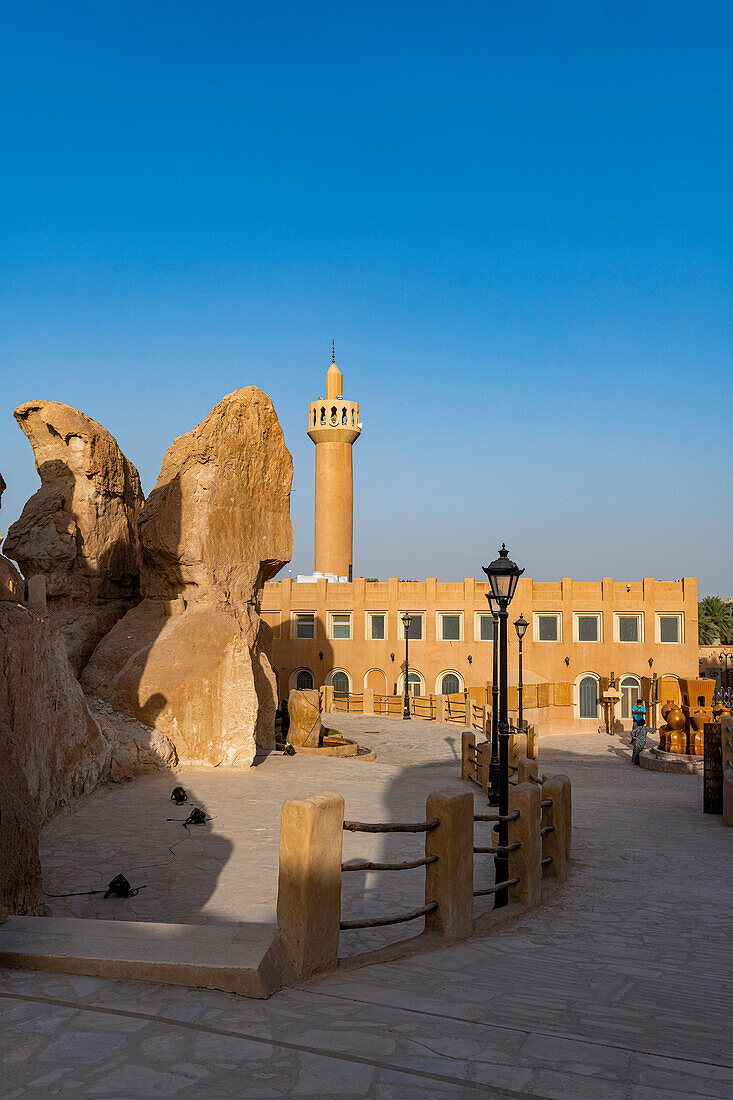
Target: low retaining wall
{"x": 255, "y": 961}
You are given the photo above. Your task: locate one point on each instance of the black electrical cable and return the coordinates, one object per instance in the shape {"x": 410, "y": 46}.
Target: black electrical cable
{"x": 196, "y": 817}
{"x": 165, "y": 863}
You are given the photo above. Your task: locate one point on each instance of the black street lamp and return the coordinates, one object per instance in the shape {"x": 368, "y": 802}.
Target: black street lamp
{"x": 520, "y": 625}
{"x": 407, "y": 623}
{"x": 503, "y": 577}
{"x": 494, "y": 764}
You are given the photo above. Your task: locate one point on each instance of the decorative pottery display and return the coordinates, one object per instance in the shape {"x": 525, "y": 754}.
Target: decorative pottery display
{"x": 672, "y": 736}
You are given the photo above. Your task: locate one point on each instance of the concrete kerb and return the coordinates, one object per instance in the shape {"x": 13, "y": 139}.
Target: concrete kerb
{"x": 305, "y": 942}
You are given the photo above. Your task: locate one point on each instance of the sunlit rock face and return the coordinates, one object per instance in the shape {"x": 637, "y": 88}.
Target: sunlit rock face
{"x": 190, "y": 660}
{"x": 80, "y": 530}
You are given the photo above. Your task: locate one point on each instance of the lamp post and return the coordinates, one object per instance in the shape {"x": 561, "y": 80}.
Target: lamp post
{"x": 494, "y": 763}
{"x": 503, "y": 576}
{"x": 520, "y": 625}
{"x": 407, "y": 623}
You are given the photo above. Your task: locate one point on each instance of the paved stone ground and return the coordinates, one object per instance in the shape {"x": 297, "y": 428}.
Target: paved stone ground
{"x": 618, "y": 986}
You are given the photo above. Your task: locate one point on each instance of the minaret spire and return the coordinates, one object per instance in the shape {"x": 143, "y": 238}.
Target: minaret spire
{"x": 334, "y": 425}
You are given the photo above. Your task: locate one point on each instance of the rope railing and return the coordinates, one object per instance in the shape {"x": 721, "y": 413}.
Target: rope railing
{"x": 495, "y": 888}
{"x": 380, "y": 922}
{"x": 348, "y": 701}
{"x": 392, "y": 826}
{"x": 497, "y": 817}
{"x": 407, "y": 865}
{"x": 498, "y": 849}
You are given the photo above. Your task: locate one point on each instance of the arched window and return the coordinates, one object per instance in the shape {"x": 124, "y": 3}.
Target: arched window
{"x": 415, "y": 683}
{"x": 588, "y": 697}
{"x": 449, "y": 684}
{"x": 353, "y": 418}
{"x": 340, "y": 684}
{"x": 344, "y": 419}
{"x": 314, "y": 418}
{"x": 304, "y": 680}
{"x": 323, "y": 415}
{"x": 630, "y": 693}
{"x": 334, "y": 415}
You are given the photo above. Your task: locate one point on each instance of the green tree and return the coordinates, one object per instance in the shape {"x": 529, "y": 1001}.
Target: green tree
{"x": 715, "y": 621}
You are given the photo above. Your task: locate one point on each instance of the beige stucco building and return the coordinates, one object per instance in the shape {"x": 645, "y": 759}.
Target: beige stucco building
{"x": 349, "y": 633}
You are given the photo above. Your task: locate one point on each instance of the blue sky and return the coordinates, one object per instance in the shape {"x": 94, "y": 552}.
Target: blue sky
{"x": 514, "y": 219}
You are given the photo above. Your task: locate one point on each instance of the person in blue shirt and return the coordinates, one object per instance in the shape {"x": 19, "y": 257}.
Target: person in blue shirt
{"x": 638, "y": 733}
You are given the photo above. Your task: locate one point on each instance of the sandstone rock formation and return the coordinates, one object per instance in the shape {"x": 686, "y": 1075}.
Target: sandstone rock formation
{"x": 21, "y": 885}
{"x": 59, "y": 745}
{"x": 134, "y": 747}
{"x": 305, "y": 719}
{"x": 190, "y": 660}
{"x": 80, "y": 529}
{"x": 11, "y": 582}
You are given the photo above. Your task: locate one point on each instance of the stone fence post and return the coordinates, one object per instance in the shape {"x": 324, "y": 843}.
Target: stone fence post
{"x": 726, "y": 748}
{"x": 524, "y": 863}
{"x": 533, "y": 737}
{"x": 484, "y": 757}
{"x": 309, "y": 883}
{"x": 553, "y": 818}
{"x": 368, "y": 707}
{"x": 440, "y": 708}
{"x": 567, "y": 797}
{"x": 449, "y": 880}
{"x": 525, "y": 768}
{"x": 468, "y": 742}
{"x": 517, "y": 747}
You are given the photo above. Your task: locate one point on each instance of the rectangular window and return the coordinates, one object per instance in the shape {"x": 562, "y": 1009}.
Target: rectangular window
{"x": 450, "y": 628}
{"x": 587, "y": 628}
{"x": 547, "y": 628}
{"x": 341, "y": 625}
{"x": 628, "y": 628}
{"x": 415, "y": 632}
{"x": 670, "y": 628}
{"x": 486, "y": 628}
{"x": 377, "y": 623}
{"x": 305, "y": 625}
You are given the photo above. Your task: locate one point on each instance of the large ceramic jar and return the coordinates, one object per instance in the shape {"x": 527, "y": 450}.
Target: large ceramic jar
{"x": 672, "y": 736}
{"x": 696, "y": 740}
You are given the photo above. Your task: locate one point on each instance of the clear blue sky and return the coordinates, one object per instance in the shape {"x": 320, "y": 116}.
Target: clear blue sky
{"x": 514, "y": 218}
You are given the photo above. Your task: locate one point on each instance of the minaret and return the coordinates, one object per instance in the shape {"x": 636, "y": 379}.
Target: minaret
{"x": 333, "y": 425}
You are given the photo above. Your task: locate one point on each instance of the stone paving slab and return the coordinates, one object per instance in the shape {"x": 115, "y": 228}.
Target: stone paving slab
{"x": 616, "y": 987}
{"x": 226, "y": 871}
